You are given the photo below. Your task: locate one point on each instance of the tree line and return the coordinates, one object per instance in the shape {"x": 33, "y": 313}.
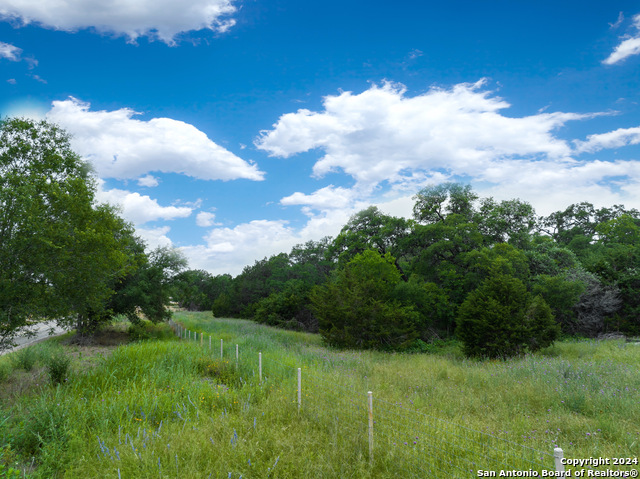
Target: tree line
{"x": 64, "y": 256}
{"x": 491, "y": 273}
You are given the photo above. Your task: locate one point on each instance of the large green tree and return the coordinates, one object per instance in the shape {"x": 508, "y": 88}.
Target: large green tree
{"x": 60, "y": 253}
{"x": 48, "y": 228}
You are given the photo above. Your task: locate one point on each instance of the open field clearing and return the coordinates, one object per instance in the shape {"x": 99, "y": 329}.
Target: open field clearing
{"x": 166, "y": 407}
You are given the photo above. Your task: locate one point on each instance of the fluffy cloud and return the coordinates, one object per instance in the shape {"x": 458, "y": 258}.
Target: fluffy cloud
{"x": 140, "y": 209}
{"x": 205, "y": 219}
{"x": 228, "y": 250}
{"x": 612, "y": 139}
{"x": 148, "y": 181}
{"x": 324, "y": 198}
{"x": 393, "y": 145}
{"x": 162, "y": 19}
{"x": 121, "y": 147}
{"x": 628, "y": 47}
{"x": 383, "y": 135}
{"x": 10, "y": 52}
{"x": 155, "y": 237}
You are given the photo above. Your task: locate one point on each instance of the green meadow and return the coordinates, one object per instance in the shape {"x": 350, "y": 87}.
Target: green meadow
{"x": 164, "y": 407}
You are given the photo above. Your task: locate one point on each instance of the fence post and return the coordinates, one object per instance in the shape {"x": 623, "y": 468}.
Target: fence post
{"x": 558, "y": 454}
{"x": 221, "y": 349}
{"x": 260, "y": 367}
{"x": 189, "y": 335}
{"x": 370, "y": 404}
{"x": 236, "y": 356}
{"x": 299, "y": 388}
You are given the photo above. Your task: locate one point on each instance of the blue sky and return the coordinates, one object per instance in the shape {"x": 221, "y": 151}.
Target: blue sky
{"x": 235, "y": 129}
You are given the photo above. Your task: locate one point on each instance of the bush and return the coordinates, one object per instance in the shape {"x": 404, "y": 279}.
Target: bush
{"x": 222, "y": 371}
{"x": 25, "y": 358}
{"x": 356, "y": 309}
{"x": 287, "y": 308}
{"x": 500, "y": 319}
{"x": 138, "y": 332}
{"x": 58, "y": 367}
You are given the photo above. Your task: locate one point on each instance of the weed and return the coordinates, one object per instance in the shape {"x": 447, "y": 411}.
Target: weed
{"x": 6, "y": 456}
{"x": 5, "y": 370}
{"x": 58, "y": 366}
{"x": 25, "y": 358}
{"x": 138, "y": 332}
{"x": 220, "y": 370}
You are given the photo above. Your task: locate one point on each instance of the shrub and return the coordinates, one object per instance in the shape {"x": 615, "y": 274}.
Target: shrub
{"x": 138, "y": 332}
{"x": 25, "y": 358}
{"x": 222, "y": 371}
{"x": 58, "y": 366}
{"x": 45, "y": 424}
{"x": 501, "y": 319}
{"x": 356, "y": 309}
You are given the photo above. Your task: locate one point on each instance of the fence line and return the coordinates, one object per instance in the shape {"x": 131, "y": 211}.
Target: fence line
{"x": 430, "y": 446}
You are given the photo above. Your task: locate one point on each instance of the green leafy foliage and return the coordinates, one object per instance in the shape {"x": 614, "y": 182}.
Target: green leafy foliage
{"x": 287, "y": 308}
{"x": 58, "y": 366}
{"x": 501, "y": 319}
{"x": 60, "y": 253}
{"x": 356, "y": 308}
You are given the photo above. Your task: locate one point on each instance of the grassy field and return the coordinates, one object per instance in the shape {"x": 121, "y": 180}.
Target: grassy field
{"x": 170, "y": 408}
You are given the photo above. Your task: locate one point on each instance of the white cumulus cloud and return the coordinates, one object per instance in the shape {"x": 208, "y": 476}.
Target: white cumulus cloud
{"x": 148, "y": 180}
{"x": 119, "y": 146}
{"x": 628, "y": 47}
{"x": 140, "y": 209}
{"x": 229, "y": 250}
{"x": 205, "y": 219}
{"x": 611, "y": 139}
{"x": 10, "y": 52}
{"x": 155, "y": 237}
{"x": 382, "y": 134}
{"x": 161, "y": 19}
{"x": 325, "y": 198}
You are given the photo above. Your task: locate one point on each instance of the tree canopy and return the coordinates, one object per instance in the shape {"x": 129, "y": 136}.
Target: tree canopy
{"x": 63, "y": 256}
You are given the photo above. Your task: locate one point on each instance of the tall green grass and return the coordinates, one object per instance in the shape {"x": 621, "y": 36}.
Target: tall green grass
{"x": 170, "y": 408}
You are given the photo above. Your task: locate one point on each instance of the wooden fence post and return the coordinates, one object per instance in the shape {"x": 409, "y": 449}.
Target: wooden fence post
{"x": 260, "y": 367}
{"x": 236, "y": 356}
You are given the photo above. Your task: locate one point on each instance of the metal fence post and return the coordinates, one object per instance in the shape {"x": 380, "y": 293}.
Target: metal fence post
{"x": 370, "y": 404}
{"x": 299, "y": 388}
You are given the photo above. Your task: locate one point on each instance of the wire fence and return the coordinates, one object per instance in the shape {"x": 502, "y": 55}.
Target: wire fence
{"x": 415, "y": 443}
